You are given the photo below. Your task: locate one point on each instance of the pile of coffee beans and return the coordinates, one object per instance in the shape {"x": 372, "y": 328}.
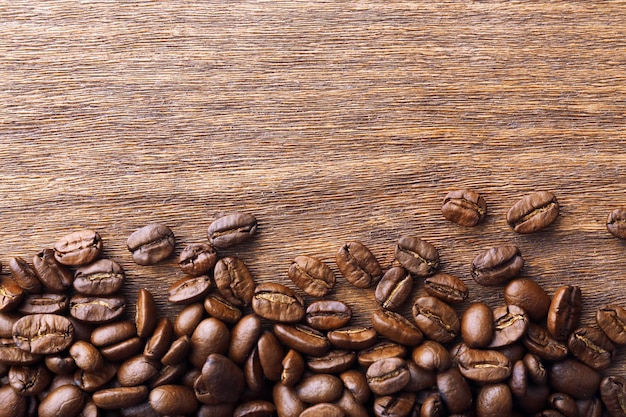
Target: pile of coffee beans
{"x": 241, "y": 348}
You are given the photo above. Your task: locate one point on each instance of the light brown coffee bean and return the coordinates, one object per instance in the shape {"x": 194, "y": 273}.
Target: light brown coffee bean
{"x": 111, "y": 333}
{"x": 613, "y": 394}
{"x": 173, "y": 400}
{"x": 271, "y": 354}
{"x": 197, "y": 259}
{"x": 255, "y": 408}
{"x": 187, "y": 320}
{"x": 353, "y": 338}
{"x": 86, "y": 356}
{"x": 574, "y": 378}
{"x": 454, "y": 390}
{"x": 302, "y": 338}
{"x": 13, "y": 404}
{"x": 592, "y": 347}
{"x": 221, "y": 309}
{"x": 44, "y": 303}
{"x": 286, "y": 400}
{"x": 29, "y": 380}
{"x": 396, "y": 405}
{"x": 137, "y": 370}
{"x": 43, "y": 333}
{"x": 78, "y": 248}
{"x": 243, "y": 337}
{"x": 612, "y": 320}
{"x": 97, "y": 310}
{"x": 484, "y": 366}
{"x": 151, "y": 244}
{"x": 189, "y": 290}
{"x": 564, "y": 404}
{"x": 538, "y": 341}
{"x": 333, "y": 362}
{"x": 11, "y": 294}
{"x": 68, "y": 398}
{"x": 293, "y": 368}
{"x": 388, "y": 376}
{"x": 494, "y": 400}
{"x": 123, "y": 350}
{"x": 101, "y": 277}
{"x": 533, "y": 212}
{"x": 381, "y": 350}
{"x": 358, "y": 265}
{"x": 323, "y": 410}
{"x": 319, "y": 388}
{"x": 311, "y": 275}
{"x": 232, "y": 228}
{"x": 356, "y": 382}
{"x": 11, "y": 354}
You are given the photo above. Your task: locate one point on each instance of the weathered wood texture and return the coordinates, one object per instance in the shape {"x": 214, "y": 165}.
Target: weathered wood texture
{"x": 330, "y": 121}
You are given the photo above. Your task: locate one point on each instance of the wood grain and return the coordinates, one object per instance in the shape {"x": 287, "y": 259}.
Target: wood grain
{"x": 330, "y": 121}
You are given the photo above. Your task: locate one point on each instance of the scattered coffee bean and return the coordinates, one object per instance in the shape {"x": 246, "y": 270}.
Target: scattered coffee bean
{"x": 446, "y": 287}
{"x": 99, "y": 278}
{"x": 231, "y": 229}
{"x": 277, "y": 302}
{"x": 394, "y": 288}
{"x": 612, "y": 320}
{"x": 533, "y": 212}
{"x": 358, "y": 265}
{"x": 527, "y": 294}
{"x": 327, "y": 315}
{"x": 311, "y": 275}
{"x": 78, "y": 248}
{"x": 564, "y": 312}
{"x": 497, "y": 265}
{"x": 417, "y": 256}
{"x": 197, "y": 259}
{"x": 616, "y": 223}
{"x": 151, "y": 244}
{"x": 464, "y": 207}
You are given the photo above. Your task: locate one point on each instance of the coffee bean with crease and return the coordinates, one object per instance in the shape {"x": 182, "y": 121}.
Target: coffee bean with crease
{"x": 533, "y": 212}
{"x": 394, "y": 288}
{"x": 188, "y": 290}
{"x": 358, "y": 265}
{"x": 327, "y": 315}
{"x": 24, "y": 275}
{"x": 388, "y": 376}
{"x": 417, "y": 256}
{"x": 102, "y": 277}
{"x": 510, "y": 323}
{"x": 43, "y": 333}
{"x": 484, "y": 366}
{"x": 44, "y": 303}
{"x": 612, "y": 320}
{"x": 446, "y": 287}
{"x": 464, "y": 207}
{"x": 54, "y": 276}
{"x": 333, "y": 362}
{"x": 353, "y": 337}
{"x": 151, "y": 244}
{"x": 311, "y": 275}
{"x": 197, "y": 259}
{"x": 231, "y": 229}
{"x": 613, "y": 394}
{"x": 78, "y": 248}
{"x": 394, "y": 405}
{"x": 396, "y": 328}
{"x": 381, "y": 350}
{"x": 497, "y": 265}
{"x": 277, "y": 302}
{"x": 592, "y": 347}
{"x": 616, "y": 223}
{"x": 304, "y": 339}
{"x": 97, "y": 310}
{"x": 436, "y": 319}
{"x": 539, "y": 341}
{"x": 564, "y": 312}
{"x": 319, "y": 388}
{"x": 234, "y": 280}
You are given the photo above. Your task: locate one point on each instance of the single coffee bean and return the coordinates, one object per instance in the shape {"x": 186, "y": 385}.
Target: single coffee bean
{"x": 538, "y": 341}
{"x": 243, "y": 337}
{"x": 396, "y": 328}
{"x": 333, "y": 362}
{"x": 78, "y": 248}
{"x": 256, "y": 408}
{"x": 221, "y": 309}
{"x": 564, "y": 312}
{"x": 173, "y": 400}
{"x": 189, "y": 290}
{"x": 86, "y": 356}
{"x": 151, "y": 244}
{"x": 355, "y": 382}
{"x": 616, "y": 223}
{"x": 29, "y": 380}
{"x": 533, "y": 212}
{"x": 319, "y": 388}
{"x": 484, "y": 366}
{"x": 416, "y": 255}
{"x": 574, "y": 378}
{"x": 388, "y": 376}
{"x": 311, "y": 275}
{"x": 591, "y": 407}
{"x": 358, "y": 265}
{"x": 54, "y": 276}
{"x": 527, "y": 294}
{"x": 497, "y": 265}
{"x": 394, "y": 288}
{"x": 494, "y": 400}
{"x": 92, "y": 382}
{"x": 68, "y": 398}
{"x": 43, "y": 333}
{"x": 592, "y": 347}
{"x": 123, "y": 350}
{"x": 102, "y": 277}
{"x": 477, "y": 325}
{"x": 421, "y": 379}
{"x": 169, "y": 374}
{"x": 326, "y": 315}
{"x": 210, "y": 336}
{"x": 446, "y": 287}
{"x": 436, "y": 319}
{"x": 234, "y": 281}
{"x": 119, "y": 397}
{"x": 353, "y": 338}
{"x": 11, "y": 294}
{"x": 396, "y": 405}
{"x": 231, "y": 229}
{"x": 111, "y": 333}
{"x": 432, "y": 356}
{"x": 286, "y": 400}
{"x": 186, "y": 320}
{"x": 197, "y": 259}
{"x": 97, "y": 310}
{"x": 293, "y": 368}
{"x": 60, "y": 364}
{"x": 276, "y": 302}
{"x": 271, "y": 354}
{"x": 323, "y": 410}
{"x": 454, "y": 390}
{"x": 464, "y": 207}
{"x": 161, "y": 339}
{"x": 537, "y": 373}
{"x": 253, "y": 372}
{"x": 11, "y": 354}
{"x": 564, "y": 404}
{"x": 432, "y": 406}
{"x": 13, "y": 403}
{"x": 24, "y": 275}
{"x": 304, "y": 339}
{"x": 46, "y": 303}
{"x": 381, "y": 350}
{"x": 137, "y": 370}
{"x": 613, "y": 394}
{"x": 509, "y": 325}
{"x": 612, "y": 321}
{"x": 221, "y": 381}
{"x": 350, "y": 405}
{"x": 145, "y": 313}
{"x": 518, "y": 381}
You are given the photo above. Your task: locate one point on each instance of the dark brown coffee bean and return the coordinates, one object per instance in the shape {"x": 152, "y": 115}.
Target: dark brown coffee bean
{"x": 231, "y": 229}
{"x": 477, "y": 325}
{"x": 396, "y": 328}
{"x": 29, "y": 380}
{"x": 293, "y": 368}
{"x": 221, "y": 381}
{"x": 43, "y": 333}
{"x": 421, "y": 379}
{"x": 304, "y": 339}
{"x": 592, "y": 347}
{"x": 319, "y": 388}
{"x": 123, "y": 350}
{"x": 564, "y": 404}
{"x": 221, "y": 309}
{"x": 46, "y": 303}
{"x": 78, "y": 248}
{"x": 7, "y": 320}
{"x": 533, "y": 212}
{"x": 11, "y": 354}
{"x": 548, "y": 413}
{"x": 111, "y": 333}
{"x": 86, "y": 356}
{"x": 92, "y": 382}
{"x": 464, "y": 207}
{"x": 616, "y": 223}
{"x": 538, "y": 341}
{"x": 497, "y": 265}
{"x": 160, "y": 341}
{"x": 119, "y": 397}
{"x": 454, "y": 390}
{"x": 381, "y": 350}
{"x": 394, "y": 288}
{"x": 485, "y": 366}
{"x": 518, "y": 381}
{"x": 612, "y": 321}
{"x": 574, "y": 378}
{"x": 68, "y": 398}
{"x": 286, "y": 400}
{"x": 197, "y": 259}
{"x": 210, "y": 336}
{"x": 137, "y": 370}
{"x": 350, "y": 406}
{"x": 353, "y": 338}
{"x": 271, "y": 354}
{"x": 60, "y": 364}
{"x": 388, "y": 376}
{"x": 613, "y": 394}
{"x": 323, "y": 410}
{"x": 591, "y": 407}
{"x": 396, "y": 405}
{"x": 509, "y": 325}
{"x": 102, "y": 277}
{"x": 24, "y": 275}
{"x": 326, "y": 315}
{"x": 145, "y": 313}
{"x": 187, "y": 319}
{"x": 11, "y": 294}
{"x": 355, "y": 382}
{"x": 257, "y": 408}
{"x": 535, "y": 399}
{"x": 335, "y": 361}
{"x": 311, "y": 275}
{"x": 173, "y": 400}
{"x": 53, "y": 275}
{"x": 151, "y": 244}
{"x": 528, "y": 295}
{"x": 417, "y": 256}
{"x": 234, "y": 281}
{"x": 432, "y": 406}
{"x": 169, "y": 374}
{"x": 436, "y": 319}
{"x": 13, "y": 404}
{"x": 253, "y": 372}
{"x": 564, "y": 312}
{"x": 216, "y": 410}
{"x": 494, "y": 400}
{"x": 277, "y": 302}
{"x": 243, "y": 337}
{"x": 97, "y": 310}
{"x": 358, "y": 265}
{"x": 446, "y": 287}
{"x": 537, "y": 373}
{"x": 432, "y": 356}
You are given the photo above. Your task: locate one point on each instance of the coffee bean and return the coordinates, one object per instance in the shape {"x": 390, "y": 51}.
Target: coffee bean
{"x": 484, "y": 366}
{"x": 186, "y": 320}
{"x": 527, "y": 294}
{"x": 592, "y": 347}
{"x": 46, "y": 303}
{"x": 24, "y": 275}
{"x": 11, "y": 294}
{"x": 311, "y": 275}
{"x": 257, "y": 408}
{"x": 591, "y": 407}
{"x": 394, "y": 288}
{"x": 613, "y": 394}
{"x": 381, "y": 350}
{"x": 333, "y": 362}
{"x": 86, "y": 356}
{"x": 358, "y": 265}
{"x": 396, "y": 328}
{"x": 253, "y": 372}
{"x": 612, "y": 321}
{"x": 277, "y": 302}
{"x": 197, "y": 259}
{"x": 231, "y": 229}
{"x": 432, "y": 406}
{"x": 509, "y": 325}
{"x": 151, "y": 244}
{"x": 123, "y": 350}
{"x": 416, "y": 255}
{"x": 388, "y": 376}
{"x": 145, "y": 313}
{"x": 120, "y": 397}
{"x": 97, "y": 310}
{"x": 111, "y": 333}
{"x": 137, "y": 370}
{"x": 477, "y": 325}
{"x": 221, "y": 381}
{"x": 12, "y": 403}
{"x": 169, "y": 374}
{"x": 243, "y": 337}
{"x": 60, "y": 364}
{"x": 293, "y": 368}
{"x": 189, "y": 290}
{"x": 353, "y": 338}
{"x": 161, "y": 339}
{"x": 574, "y": 378}
{"x": 326, "y": 315}
{"x": 454, "y": 390}
{"x": 29, "y": 380}
{"x": 304, "y": 339}
{"x": 323, "y": 410}
{"x": 11, "y": 354}
{"x": 564, "y": 404}
{"x": 494, "y": 400}
{"x": 221, "y": 309}
{"x": 286, "y": 400}
{"x": 99, "y": 278}
{"x": 43, "y": 333}
{"x": 538, "y": 341}
{"x": 533, "y": 212}
{"x": 421, "y": 379}
{"x": 234, "y": 281}
{"x": 53, "y": 275}
{"x": 446, "y": 287}
{"x": 537, "y": 373}
{"x": 464, "y": 207}
{"x": 350, "y": 405}
{"x": 564, "y": 312}
{"x": 616, "y": 223}
{"x": 68, "y": 398}
{"x": 271, "y": 354}
{"x": 432, "y": 356}
{"x": 319, "y": 388}
{"x": 396, "y": 405}
{"x": 355, "y": 382}
{"x": 436, "y": 319}
{"x": 210, "y": 336}
{"x": 78, "y": 248}
{"x": 173, "y": 400}
{"x": 497, "y": 265}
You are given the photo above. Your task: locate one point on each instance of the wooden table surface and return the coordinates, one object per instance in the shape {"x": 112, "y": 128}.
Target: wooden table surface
{"x": 330, "y": 121}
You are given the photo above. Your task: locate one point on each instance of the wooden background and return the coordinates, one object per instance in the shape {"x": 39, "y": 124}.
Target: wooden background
{"x": 330, "y": 121}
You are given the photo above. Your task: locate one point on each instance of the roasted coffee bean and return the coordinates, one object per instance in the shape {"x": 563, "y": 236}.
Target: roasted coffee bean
{"x": 11, "y": 354}
{"x": 60, "y": 364}
{"x": 169, "y": 374}
{"x": 319, "y": 388}
{"x": 102, "y": 277}
{"x": 564, "y": 404}
{"x": 137, "y": 370}
{"x": 197, "y": 259}
{"x": 323, "y": 410}
{"x": 186, "y": 320}
{"x": 350, "y": 405}
{"x": 158, "y": 344}
{"x": 151, "y": 244}
{"x": 46, "y": 303}
{"x": 302, "y": 338}
{"x": 432, "y": 406}
{"x": 381, "y": 350}
{"x": 464, "y": 207}
{"x": 485, "y": 366}
{"x": 234, "y": 281}
{"x": 436, "y": 319}
{"x": 432, "y": 356}
{"x": 173, "y": 400}
{"x": 354, "y": 338}
{"x": 454, "y": 390}
{"x": 333, "y": 362}
{"x": 355, "y": 382}
{"x": 271, "y": 354}
{"x": 388, "y": 376}
{"x": 591, "y": 407}
{"x": 311, "y": 275}
{"x": 612, "y": 321}
{"x": 533, "y": 212}
{"x": 616, "y": 223}
{"x": 221, "y": 309}
{"x": 68, "y": 398}
{"x": 477, "y": 325}
{"x": 518, "y": 381}
{"x": 277, "y": 302}
{"x": 29, "y": 380}
{"x": 509, "y": 325}
{"x": 123, "y": 350}
{"x": 216, "y": 410}
{"x": 574, "y": 378}
{"x": 111, "y": 333}
{"x": 396, "y": 405}
{"x": 528, "y": 295}
{"x": 86, "y": 356}
{"x": 293, "y": 368}
{"x": 78, "y": 248}
{"x": 417, "y": 256}
{"x": 537, "y": 373}
{"x": 538, "y": 341}
{"x": 497, "y": 265}
{"x": 358, "y": 265}
{"x": 120, "y": 397}
{"x": 494, "y": 400}
{"x": 257, "y": 408}
{"x": 446, "y": 287}
{"x": 396, "y": 328}
{"x": 243, "y": 337}
{"x": 286, "y": 400}
{"x": 11, "y": 294}
{"x": 97, "y": 310}
{"x": 43, "y": 333}
{"x": 421, "y": 379}
{"x": 53, "y": 275}
{"x": 394, "y": 288}
{"x": 7, "y": 320}
{"x": 253, "y": 372}
{"x": 145, "y": 313}
{"x": 613, "y": 394}
{"x": 221, "y": 381}
{"x": 564, "y": 312}
{"x": 592, "y": 347}
{"x": 231, "y": 229}
{"x": 326, "y": 315}
{"x": 210, "y": 336}
{"x": 535, "y": 399}
{"x": 24, "y": 275}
